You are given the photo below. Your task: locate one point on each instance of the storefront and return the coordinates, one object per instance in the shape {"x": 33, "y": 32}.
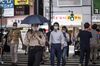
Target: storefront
{"x": 61, "y": 11}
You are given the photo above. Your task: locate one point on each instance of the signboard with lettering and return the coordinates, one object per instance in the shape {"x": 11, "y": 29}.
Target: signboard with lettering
{"x": 96, "y": 18}
{"x": 21, "y": 10}
{"x": 96, "y": 6}
{"x": 69, "y": 2}
{"x": 65, "y": 19}
{"x": 21, "y": 2}
{"x": 8, "y": 7}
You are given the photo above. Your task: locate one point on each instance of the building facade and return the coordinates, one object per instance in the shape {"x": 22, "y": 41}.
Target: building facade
{"x": 62, "y": 10}
{"x": 16, "y": 11}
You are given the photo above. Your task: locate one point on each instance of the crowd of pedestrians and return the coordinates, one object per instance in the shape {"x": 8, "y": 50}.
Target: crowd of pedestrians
{"x": 57, "y": 40}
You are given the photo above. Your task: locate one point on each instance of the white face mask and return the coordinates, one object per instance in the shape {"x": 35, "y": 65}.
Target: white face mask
{"x": 14, "y": 27}
{"x": 4, "y": 32}
{"x": 63, "y": 31}
{"x": 34, "y": 28}
{"x": 56, "y": 27}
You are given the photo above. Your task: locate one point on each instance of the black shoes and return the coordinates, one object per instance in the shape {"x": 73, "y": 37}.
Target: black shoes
{"x": 14, "y": 64}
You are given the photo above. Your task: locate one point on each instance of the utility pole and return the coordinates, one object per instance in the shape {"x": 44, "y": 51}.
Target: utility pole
{"x": 50, "y": 11}
{"x": 36, "y": 7}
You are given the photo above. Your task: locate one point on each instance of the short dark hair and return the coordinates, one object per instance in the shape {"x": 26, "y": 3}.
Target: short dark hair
{"x": 1, "y": 30}
{"x": 86, "y": 25}
{"x": 98, "y": 30}
{"x": 56, "y": 23}
{"x": 34, "y": 24}
{"x": 51, "y": 28}
{"x": 15, "y": 24}
{"x": 94, "y": 26}
{"x": 65, "y": 28}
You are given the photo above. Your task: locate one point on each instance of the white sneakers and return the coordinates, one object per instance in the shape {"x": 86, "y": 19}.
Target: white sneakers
{"x": 1, "y": 62}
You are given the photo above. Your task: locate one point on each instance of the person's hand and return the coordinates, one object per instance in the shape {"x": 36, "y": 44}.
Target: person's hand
{"x": 62, "y": 46}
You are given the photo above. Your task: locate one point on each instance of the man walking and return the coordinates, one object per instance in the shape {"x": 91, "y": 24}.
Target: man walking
{"x": 35, "y": 40}
{"x": 85, "y": 36}
{"x": 94, "y": 44}
{"x": 56, "y": 42}
{"x": 13, "y": 38}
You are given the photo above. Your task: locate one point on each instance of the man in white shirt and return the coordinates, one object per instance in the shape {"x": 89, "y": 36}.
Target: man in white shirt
{"x": 56, "y": 43}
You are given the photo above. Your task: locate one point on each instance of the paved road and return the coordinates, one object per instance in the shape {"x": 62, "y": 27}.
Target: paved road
{"x": 72, "y": 61}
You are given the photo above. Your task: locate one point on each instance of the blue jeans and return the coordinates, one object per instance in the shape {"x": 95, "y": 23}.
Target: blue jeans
{"x": 55, "y": 51}
{"x": 64, "y": 55}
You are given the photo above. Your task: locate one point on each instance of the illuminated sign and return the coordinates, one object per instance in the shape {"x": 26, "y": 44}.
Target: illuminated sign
{"x": 66, "y": 19}
{"x": 21, "y": 2}
{"x": 76, "y": 18}
{"x": 21, "y": 10}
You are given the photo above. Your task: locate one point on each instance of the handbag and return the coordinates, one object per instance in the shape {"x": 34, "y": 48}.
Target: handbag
{"x": 6, "y": 48}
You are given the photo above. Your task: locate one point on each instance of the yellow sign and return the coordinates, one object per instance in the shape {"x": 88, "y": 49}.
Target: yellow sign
{"x": 21, "y": 2}
{"x": 77, "y": 18}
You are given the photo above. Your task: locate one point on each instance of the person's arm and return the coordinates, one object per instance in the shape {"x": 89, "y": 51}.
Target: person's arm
{"x": 26, "y": 40}
{"x": 41, "y": 39}
{"x": 20, "y": 37}
{"x": 62, "y": 39}
{"x": 78, "y": 35}
{"x": 68, "y": 37}
{"x": 9, "y": 36}
{"x": 50, "y": 38}
{"x": 3, "y": 39}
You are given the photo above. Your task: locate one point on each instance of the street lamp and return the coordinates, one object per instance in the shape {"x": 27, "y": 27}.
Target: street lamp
{"x": 50, "y": 11}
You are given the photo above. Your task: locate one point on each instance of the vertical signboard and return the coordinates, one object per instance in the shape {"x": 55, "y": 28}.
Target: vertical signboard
{"x": 8, "y": 7}
{"x": 96, "y": 6}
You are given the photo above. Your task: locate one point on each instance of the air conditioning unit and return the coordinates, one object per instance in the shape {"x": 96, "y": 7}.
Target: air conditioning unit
{"x": 69, "y": 3}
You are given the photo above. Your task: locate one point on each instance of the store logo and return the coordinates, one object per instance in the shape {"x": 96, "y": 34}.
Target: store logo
{"x": 21, "y": 2}
{"x": 73, "y": 17}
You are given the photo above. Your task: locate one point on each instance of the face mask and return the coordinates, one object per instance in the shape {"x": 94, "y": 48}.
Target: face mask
{"x": 56, "y": 27}
{"x": 4, "y": 32}
{"x": 34, "y": 29}
{"x": 14, "y": 27}
{"x": 63, "y": 30}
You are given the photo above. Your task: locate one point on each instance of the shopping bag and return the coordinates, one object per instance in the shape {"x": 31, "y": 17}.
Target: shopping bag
{"x": 71, "y": 49}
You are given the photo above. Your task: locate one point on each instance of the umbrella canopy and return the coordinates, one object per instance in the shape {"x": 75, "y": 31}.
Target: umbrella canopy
{"x": 35, "y": 19}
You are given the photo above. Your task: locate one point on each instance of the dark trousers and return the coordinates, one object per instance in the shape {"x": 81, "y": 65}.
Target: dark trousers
{"x": 34, "y": 56}
{"x": 55, "y": 51}
{"x": 68, "y": 51}
{"x": 84, "y": 53}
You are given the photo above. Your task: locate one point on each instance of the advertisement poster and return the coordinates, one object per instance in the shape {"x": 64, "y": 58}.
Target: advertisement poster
{"x": 8, "y": 6}
{"x": 65, "y": 19}
{"x": 21, "y": 2}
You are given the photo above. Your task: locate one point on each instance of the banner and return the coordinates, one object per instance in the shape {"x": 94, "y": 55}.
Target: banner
{"x": 66, "y": 20}
{"x": 8, "y": 7}
{"x": 21, "y": 2}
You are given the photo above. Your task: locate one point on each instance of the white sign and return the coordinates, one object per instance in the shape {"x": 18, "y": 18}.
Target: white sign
{"x": 10, "y": 22}
{"x": 8, "y": 12}
{"x": 96, "y": 18}
{"x": 8, "y": 6}
{"x": 64, "y": 20}
{"x": 69, "y": 2}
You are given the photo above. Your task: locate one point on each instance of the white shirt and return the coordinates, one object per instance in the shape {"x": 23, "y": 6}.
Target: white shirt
{"x": 56, "y": 37}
